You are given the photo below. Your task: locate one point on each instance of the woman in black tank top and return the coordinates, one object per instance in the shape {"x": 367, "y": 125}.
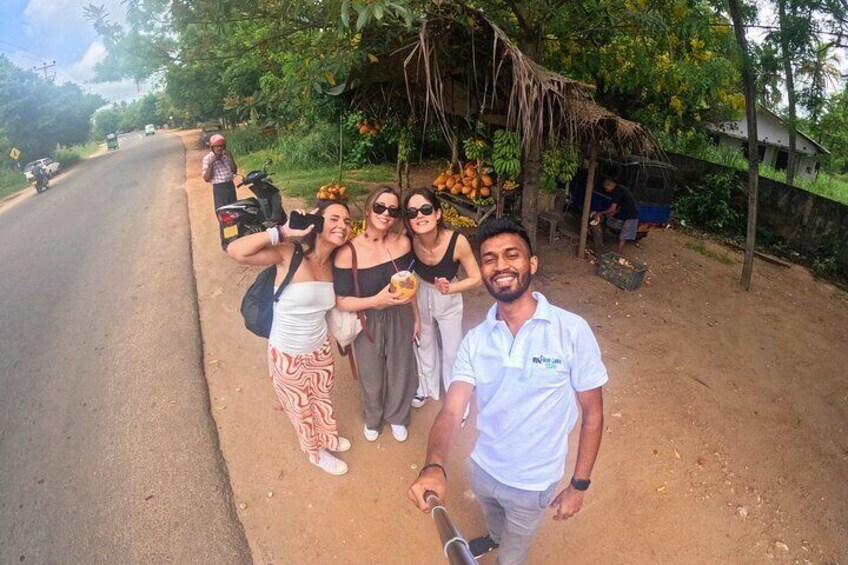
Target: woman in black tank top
{"x": 439, "y": 252}
{"x": 384, "y": 349}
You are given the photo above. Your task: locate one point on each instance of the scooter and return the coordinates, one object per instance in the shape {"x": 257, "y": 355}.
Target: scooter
{"x": 252, "y": 215}
{"x": 42, "y": 183}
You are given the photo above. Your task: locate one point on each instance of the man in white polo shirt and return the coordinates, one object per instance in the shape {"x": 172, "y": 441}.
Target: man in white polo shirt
{"x": 534, "y": 366}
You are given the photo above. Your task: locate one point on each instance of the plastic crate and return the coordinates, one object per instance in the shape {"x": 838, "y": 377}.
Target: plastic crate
{"x": 621, "y": 276}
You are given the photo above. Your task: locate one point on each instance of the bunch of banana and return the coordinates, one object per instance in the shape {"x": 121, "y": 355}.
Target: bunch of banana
{"x": 506, "y": 155}
{"x": 455, "y": 219}
{"x": 475, "y": 149}
{"x": 332, "y": 191}
{"x": 510, "y": 185}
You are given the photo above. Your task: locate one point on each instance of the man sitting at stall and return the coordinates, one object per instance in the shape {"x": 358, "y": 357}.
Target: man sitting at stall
{"x": 624, "y": 202}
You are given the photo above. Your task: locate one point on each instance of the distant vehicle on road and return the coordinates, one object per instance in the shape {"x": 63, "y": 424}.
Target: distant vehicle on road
{"x": 50, "y": 167}
{"x": 149, "y": 129}
{"x": 207, "y": 131}
{"x": 111, "y": 141}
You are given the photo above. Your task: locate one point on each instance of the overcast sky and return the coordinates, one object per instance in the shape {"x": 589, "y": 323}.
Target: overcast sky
{"x": 33, "y": 32}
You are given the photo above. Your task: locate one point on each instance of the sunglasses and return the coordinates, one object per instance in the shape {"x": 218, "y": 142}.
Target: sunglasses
{"x": 379, "y": 208}
{"x": 426, "y": 210}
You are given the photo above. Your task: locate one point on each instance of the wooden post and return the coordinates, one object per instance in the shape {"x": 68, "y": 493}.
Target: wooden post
{"x": 499, "y": 197}
{"x": 531, "y": 171}
{"x": 587, "y": 199}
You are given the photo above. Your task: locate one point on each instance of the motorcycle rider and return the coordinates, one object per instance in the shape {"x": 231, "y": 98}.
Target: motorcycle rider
{"x": 218, "y": 168}
{"x": 40, "y": 176}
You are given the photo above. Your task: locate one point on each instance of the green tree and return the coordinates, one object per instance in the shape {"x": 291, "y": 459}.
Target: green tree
{"x": 36, "y": 115}
{"x": 833, "y": 132}
{"x": 796, "y": 30}
{"x": 821, "y": 71}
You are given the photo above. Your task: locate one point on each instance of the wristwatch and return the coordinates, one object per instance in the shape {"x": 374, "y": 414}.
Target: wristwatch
{"x": 580, "y": 484}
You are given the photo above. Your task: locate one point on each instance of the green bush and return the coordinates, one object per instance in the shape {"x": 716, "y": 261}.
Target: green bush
{"x": 696, "y": 144}
{"x": 302, "y": 147}
{"x": 309, "y": 146}
{"x": 826, "y": 261}
{"x": 710, "y": 208}
{"x": 69, "y": 156}
{"x": 247, "y": 140}
{"x": 11, "y": 180}
{"x": 66, "y": 157}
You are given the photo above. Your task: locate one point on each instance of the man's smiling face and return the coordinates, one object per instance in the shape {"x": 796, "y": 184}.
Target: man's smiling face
{"x": 507, "y": 266}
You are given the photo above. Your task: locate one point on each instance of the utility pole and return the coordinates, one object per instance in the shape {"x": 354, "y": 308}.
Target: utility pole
{"x": 43, "y": 68}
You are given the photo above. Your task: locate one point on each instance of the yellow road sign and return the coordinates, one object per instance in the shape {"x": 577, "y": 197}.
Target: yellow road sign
{"x": 15, "y": 153}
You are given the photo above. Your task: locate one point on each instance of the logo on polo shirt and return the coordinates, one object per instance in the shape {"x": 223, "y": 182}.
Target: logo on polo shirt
{"x": 546, "y": 362}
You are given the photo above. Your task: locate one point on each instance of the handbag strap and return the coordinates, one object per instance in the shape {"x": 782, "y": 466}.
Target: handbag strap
{"x": 354, "y": 267}
{"x": 297, "y": 258}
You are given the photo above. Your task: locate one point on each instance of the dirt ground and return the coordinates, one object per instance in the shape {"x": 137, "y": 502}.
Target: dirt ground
{"x": 726, "y": 416}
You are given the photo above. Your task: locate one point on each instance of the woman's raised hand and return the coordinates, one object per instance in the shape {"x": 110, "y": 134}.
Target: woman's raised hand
{"x": 289, "y": 232}
{"x": 442, "y": 285}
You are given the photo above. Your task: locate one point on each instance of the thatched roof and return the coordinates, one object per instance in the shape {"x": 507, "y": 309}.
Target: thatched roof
{"x": 461, "y": 63}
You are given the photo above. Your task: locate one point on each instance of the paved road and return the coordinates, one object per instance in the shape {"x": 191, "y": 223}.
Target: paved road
{"x": 108, "y": 453}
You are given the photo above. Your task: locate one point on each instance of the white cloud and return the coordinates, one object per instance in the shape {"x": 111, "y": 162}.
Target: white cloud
{"x": 83, "y": 70}
{"x": 64, "y": 13}
{"x": 125, "y": 90}
{"x": 43, "y": 11}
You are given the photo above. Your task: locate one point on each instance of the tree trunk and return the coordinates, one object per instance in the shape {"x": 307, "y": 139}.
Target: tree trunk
{"x": 532, "y": 156}
{"x": 790, "y": 92}
{"x": 587, "y": 200}
{"x": 531, "y": 171}
{"x": 753, "y": 153}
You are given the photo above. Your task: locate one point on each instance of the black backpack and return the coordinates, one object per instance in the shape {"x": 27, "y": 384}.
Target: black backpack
{"x": 257, "y": 306}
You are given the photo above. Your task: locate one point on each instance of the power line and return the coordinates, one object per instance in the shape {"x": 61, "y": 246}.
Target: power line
{"x": 24, "y": 49}
{"x": 43, "y": 68}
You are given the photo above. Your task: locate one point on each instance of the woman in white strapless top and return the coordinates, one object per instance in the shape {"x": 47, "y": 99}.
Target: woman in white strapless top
{"x": 299, "y": 357}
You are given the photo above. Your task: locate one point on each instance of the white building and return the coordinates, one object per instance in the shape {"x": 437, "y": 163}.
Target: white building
{"x": 774, "y": 143}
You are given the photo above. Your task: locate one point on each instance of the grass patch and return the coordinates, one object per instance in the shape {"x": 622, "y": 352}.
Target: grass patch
{"x": 70, "y": 156}
{"x": 697, "y": 145}
{"x": 11, "y": 181}
{"x": 702, "y": 249}
{"x": 303, "y": 182}
{"x": 828, "y": 186}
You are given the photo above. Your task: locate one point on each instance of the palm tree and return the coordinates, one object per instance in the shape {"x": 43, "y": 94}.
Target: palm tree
{"x": 820, "y": 71}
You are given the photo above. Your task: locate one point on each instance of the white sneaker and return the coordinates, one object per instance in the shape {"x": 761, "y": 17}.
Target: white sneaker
{"x": 418, "y": 401}
{"x": 399, "y": 432}
{"x": 370, "y": 435}
{"x": 344, "y": 445}
{"x": 329, "y": 463}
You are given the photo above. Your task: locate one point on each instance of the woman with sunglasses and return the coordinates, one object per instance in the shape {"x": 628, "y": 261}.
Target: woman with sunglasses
{"x": 439, "y": 252}
{"x": 300, "y": 360}
{"x": 383, "y": 350}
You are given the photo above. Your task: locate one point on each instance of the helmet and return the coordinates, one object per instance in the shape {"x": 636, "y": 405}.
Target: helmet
{"x": 216, "y": 139}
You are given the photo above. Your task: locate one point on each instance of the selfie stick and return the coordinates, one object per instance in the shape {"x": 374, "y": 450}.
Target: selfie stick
{"x": 454, "y": 545}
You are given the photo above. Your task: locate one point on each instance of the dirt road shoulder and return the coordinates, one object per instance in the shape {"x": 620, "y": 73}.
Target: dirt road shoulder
{"x": 725, "y": 438}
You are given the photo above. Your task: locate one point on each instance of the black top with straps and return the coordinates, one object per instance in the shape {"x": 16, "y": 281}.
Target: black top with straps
{"x": 447, "y": 267}
{"x": 371, "y": 279}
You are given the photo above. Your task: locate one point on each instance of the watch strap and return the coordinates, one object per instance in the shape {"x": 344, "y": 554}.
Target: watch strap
{"x": 580, "y": 484}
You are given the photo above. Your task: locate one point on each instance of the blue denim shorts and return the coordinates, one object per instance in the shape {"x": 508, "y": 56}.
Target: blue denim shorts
{"x": 628, "y": 230}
